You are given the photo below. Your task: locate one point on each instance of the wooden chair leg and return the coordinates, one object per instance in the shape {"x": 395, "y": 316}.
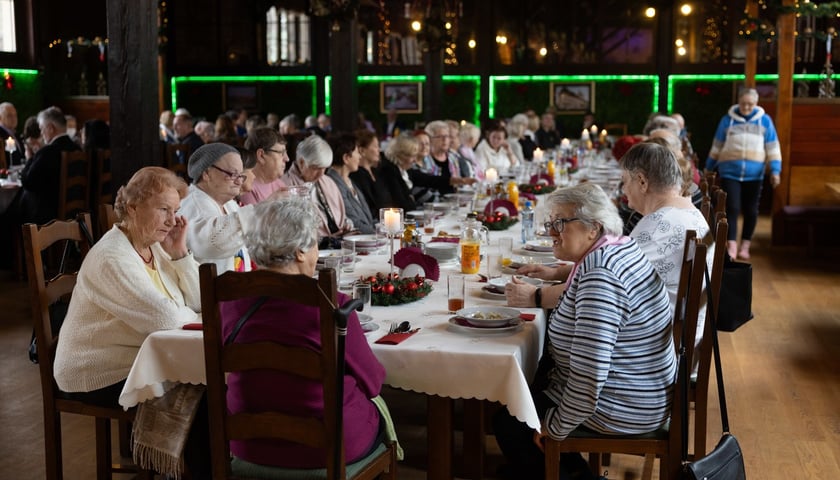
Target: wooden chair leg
{"x": 606, "y": 458}
{"x": 124, "y": 429}
{"x": 52, "y": 444}
{"x": 595, "y": 462}
{"x": 552, "y": 461}
{"x": 647, "y": 470}
{"x": 103, "y": 449}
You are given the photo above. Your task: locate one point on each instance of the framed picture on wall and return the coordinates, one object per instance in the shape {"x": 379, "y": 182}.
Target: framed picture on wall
{"x": 239, "y": 95}
{"x": 573, "y": 98}
{"x": 404, "y": 97}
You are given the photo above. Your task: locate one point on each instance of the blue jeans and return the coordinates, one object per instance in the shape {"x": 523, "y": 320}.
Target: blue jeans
{"x": 741, "y": 197}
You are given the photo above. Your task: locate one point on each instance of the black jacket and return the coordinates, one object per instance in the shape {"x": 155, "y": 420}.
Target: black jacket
{"x": 37, "y": 201}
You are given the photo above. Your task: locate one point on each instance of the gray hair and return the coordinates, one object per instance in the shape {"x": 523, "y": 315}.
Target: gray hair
{"x": 661, "y": 121}
{"x": 54, "y": 116}
{"x": 469, "y": 132}
{"x": 437, "y": 127}
{"x": 592, "y": 207}
{"x": 743, "y": 91}
{"x": 315, "y": 152}
{"x": 287, "y": 226}
{"x": 401, "y": 146}
{"x": 657, "y": 163}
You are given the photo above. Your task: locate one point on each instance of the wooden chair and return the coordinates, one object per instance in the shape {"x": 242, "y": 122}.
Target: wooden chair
{"x": 324, "y": 366}
{"x": 177, "y": 158}
{"x": 616, "y": 128}
{"x": 666, "y": 442}
{"x": 44, "y": 294}
{"x": 107, "y": 218}
{"x": 103, "y": 192}
{"x": 699, "y": 391}
{"x": 74, "y": 184}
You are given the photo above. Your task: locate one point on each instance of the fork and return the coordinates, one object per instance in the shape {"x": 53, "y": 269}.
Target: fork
{"x": 394, "y": 327}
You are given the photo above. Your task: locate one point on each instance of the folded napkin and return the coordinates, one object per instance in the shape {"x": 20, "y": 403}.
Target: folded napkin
{"x": 527, "y": 316}
{"x": 396, "y": 338}
{"x": 194, "y": 326}
{"x": 494, "y": 289}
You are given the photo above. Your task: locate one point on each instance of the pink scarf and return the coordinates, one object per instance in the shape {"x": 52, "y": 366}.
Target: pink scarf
{"x": 603, "y": 241}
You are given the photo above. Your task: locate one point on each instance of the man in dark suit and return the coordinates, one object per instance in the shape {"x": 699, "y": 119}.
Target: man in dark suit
{"x": 8, "y": 124}
{"x": 37, "y": 201}
{"x": 183, "y": 125}
{"x": 393, "y": 126}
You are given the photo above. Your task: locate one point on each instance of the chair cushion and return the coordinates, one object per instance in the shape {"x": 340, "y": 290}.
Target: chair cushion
{"x": 660, "y": 433}
{"x": 245, "y": 469}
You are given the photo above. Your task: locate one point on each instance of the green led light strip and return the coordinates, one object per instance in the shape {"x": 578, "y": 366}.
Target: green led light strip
{"x": 572, "y": 78}
{"x": 174, "y": 81}
{"x": 764, "y": 77}
{"x": 19, "y": 71}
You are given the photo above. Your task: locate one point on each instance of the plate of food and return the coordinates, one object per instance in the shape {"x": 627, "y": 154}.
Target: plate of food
{"x": 488, "y": 317}
{"x": 500, "y": 282}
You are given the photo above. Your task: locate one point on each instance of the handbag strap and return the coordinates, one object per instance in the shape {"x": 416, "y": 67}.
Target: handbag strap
{"x": 244, "y": 318}
{"x": 711, "y": 315}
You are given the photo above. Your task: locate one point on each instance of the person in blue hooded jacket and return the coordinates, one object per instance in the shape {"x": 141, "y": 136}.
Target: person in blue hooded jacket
{"x": 745, "y": 144}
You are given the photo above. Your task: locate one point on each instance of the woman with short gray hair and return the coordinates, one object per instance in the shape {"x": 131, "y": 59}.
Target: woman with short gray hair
{"x": 609, "y": 337}
{"x": 313, "y": 157}
{"x": 285, "y": 242}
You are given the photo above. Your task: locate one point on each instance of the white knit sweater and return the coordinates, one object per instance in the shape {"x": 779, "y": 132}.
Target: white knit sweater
{"x": 215, "y": 235}
{"x": 115, "y": 306}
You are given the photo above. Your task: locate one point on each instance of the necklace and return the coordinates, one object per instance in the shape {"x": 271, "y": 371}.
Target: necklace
{"x": 151, "y": 256}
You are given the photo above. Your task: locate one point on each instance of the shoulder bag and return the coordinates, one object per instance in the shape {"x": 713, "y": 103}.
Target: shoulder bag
{"x": 735, "y": 295}
{"x": 725, "y": 462}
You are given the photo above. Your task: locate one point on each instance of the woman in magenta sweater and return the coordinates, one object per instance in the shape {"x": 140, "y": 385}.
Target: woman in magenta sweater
{"x": 286, "y": 241}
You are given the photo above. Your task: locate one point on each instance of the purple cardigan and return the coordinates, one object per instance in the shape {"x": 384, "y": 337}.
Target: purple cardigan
{"x": 255, "y": 391}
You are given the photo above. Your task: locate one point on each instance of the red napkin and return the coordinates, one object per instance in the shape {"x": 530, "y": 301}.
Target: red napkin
{"x": 396, "y": 338}
{"x": 193, "y": 326}
{"x": 527, "y": 316}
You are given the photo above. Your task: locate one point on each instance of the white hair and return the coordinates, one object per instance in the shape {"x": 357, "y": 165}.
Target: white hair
{"x": 315, "y": 152}
{"x": 287, "y": 226}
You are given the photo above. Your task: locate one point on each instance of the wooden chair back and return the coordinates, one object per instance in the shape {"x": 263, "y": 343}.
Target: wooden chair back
{"x": 46, "y": 292}
{"x": 177, "y": 159}
{"x": 104, "y": 191}
{"x": 221, "y": 358}
{"x": 107, "y": 218}
{"x": 664, "y": 443}
{"x": 616, "y": 128}
{"x": 74, "y": 184}
{"x": 699, "y": 393}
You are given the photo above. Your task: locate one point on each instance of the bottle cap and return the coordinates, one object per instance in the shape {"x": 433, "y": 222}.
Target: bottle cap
{"x": 527, "y": 203}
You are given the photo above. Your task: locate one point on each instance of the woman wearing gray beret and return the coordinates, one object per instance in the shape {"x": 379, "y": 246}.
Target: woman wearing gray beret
{"x": 217, "y": 224}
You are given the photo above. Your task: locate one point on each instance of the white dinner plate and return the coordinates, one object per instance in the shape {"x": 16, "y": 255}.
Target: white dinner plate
{"x": 491, "y": 295}
{"x": 364, "y": 318}
{"x": 539, "y": 245}
{"x": 366, "y": 241}
{"x": 500, "y": 282}
{"x": 486, "y": 317}
{"x": 513, "y": 326}
{"x": 370, "y": 327}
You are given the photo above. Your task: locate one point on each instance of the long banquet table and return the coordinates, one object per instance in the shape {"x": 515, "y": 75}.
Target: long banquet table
{"x": 438, "y": 361}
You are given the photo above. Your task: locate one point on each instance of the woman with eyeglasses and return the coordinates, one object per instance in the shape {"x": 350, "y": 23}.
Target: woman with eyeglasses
{"x": 609, "y": 337}
{"x": 217, "y": 224}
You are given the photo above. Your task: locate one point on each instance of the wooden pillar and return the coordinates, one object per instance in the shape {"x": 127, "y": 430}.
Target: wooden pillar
{"x": 344, "y": 69}
{"x": 665, "y": 52}
{"x": 785, "y": 29}
{"x": 433, "y": 96}
{"x": 751, "y": 60}
{"x": 133, "y": 83}
{"x": 321, "y": 61}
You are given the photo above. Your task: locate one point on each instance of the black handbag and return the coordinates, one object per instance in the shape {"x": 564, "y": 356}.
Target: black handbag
{"x": 735, "y": 295}
{"x": 725, "y": 462}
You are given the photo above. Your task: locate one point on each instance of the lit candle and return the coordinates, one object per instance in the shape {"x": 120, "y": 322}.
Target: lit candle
{"x": 538, "y": 155}
{"x": 584, "y": 135}
{"x": 565, "y": 143}
{"x": 10, "y": 144}
{"x": 594, "y": 130}
{"x": 392, "y": 221}
{"x": 491, "y": 175}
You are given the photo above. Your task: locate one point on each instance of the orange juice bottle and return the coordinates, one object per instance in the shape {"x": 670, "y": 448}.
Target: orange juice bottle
{"x": 549, "y": 167}
{"x": 513, "y": 193}
{"x": 470, "y": 244}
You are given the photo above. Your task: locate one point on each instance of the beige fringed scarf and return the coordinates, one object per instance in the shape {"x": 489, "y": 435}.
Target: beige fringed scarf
{"x": 161, "y": 427}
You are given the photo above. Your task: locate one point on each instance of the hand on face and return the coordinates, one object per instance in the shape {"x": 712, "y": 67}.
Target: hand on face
{"x": 175, "y": 243}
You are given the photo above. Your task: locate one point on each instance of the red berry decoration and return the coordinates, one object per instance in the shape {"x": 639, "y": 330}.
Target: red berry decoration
{"x": 388, "y": 288}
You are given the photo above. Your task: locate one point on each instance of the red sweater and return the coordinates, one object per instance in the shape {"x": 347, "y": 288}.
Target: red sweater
{"x": 255, "y": 391}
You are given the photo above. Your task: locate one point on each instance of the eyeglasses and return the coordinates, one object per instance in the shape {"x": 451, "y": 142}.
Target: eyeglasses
{"x": 232, "y": 176}
{"x": 280, "y": 152}
{"x": 558, "y": 224}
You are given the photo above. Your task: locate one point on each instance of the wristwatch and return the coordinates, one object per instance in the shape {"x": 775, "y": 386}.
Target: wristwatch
{"x": 538, "y": 297}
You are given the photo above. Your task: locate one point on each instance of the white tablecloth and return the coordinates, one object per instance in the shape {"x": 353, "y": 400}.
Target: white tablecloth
{"x": 436, "y": 360}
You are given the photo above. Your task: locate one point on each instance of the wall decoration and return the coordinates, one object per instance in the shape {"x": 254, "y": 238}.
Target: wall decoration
{"x": 573, "y": 98}
{"x": 404, "y": 97}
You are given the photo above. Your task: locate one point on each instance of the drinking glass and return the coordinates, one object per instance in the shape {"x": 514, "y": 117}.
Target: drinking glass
{"x": 334, "y": 262}
{"x": 506, "y": 250}
{"x": 348, "y": 256}
{"x": 456, "y": 287}
{"x": 361, "y": 290}
{"x": 493, "y": 261}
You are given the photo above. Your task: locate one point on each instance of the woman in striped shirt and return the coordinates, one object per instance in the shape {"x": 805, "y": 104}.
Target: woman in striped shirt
{"x": 610, "y": 337}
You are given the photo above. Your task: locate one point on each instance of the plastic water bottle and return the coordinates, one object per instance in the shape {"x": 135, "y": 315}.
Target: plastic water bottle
{"x": 526, "y": 216}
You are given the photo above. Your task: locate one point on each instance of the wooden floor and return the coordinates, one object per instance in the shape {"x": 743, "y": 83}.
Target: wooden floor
{"x": 782, "y": 371}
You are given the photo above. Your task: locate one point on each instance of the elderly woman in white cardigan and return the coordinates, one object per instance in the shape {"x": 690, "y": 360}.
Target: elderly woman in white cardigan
{"x": 217, "y": 223}
{"x": 137, "y": 279}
